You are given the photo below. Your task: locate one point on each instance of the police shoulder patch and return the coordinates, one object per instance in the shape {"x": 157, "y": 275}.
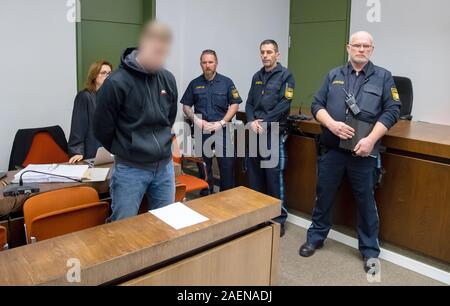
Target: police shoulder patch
{"x": 289, "y": 93}
{"x": 395, "y": 94}
{"x": 235, "y": 94}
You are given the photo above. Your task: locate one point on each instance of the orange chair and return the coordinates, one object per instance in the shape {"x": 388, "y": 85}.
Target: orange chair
{"x": 180, "y": 194}
{"x": 192, "y": 183}
{"x": 3, "y": 239}
{"x": 64, "y": 211}
{"x": 44, "y": 150}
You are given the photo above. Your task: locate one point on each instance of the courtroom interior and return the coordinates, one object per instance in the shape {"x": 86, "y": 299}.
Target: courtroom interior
{"x": 272, "y": 143}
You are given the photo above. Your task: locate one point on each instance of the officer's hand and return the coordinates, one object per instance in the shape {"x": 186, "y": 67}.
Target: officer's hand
{"x": 342, "y": 130}
{"x": 201, "y": 123}
{"x": 213, "y": 127}
{"x": 364, "y": 147}
{"x": 257, "y": 127}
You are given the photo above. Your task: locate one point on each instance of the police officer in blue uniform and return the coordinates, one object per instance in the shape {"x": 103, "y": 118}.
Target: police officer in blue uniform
{"x": 377, "y": 103}
{"x": 211, "y": 101}
{"x": 269, "y": 102}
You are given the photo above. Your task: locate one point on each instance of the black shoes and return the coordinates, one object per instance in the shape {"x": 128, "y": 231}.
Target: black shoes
{"x": 308, "y": 249}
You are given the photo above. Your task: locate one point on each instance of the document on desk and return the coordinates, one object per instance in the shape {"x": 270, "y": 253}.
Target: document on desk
{"x": 52, "y": 174}
{"x": 179, "y": 216}
{"x": 97, "y": 175}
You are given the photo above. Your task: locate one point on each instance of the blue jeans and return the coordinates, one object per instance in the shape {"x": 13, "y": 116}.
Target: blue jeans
{"x": 128, "y": 186}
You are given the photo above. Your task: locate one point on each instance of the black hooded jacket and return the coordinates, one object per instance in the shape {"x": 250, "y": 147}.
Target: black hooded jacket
{"x": 135, "y": 113}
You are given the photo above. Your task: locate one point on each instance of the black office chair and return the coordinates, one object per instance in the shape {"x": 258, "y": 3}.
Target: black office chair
{"x": 405, "y": 90}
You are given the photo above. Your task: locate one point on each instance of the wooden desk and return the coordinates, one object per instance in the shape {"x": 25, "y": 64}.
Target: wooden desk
{"x": 9, "y": 205}
{"x": 432, "y": 140}
{"x": 12, "y": 205}
{"x": 414, "y": 201}
{"x": 144, "y": 250}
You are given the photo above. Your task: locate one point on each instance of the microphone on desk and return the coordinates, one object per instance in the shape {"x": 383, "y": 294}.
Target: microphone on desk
{"x": 27, "y": 189}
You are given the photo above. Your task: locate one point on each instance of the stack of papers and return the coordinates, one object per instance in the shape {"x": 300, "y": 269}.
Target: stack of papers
{"x": 97, "y": 175}
{"x": 74, "y": 172}
{"x": 179, "y": 216}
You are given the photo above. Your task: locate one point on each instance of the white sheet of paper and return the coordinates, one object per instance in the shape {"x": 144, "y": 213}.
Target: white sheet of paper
{"x": 97, "y": 175}
{"x": 179, "y": 216}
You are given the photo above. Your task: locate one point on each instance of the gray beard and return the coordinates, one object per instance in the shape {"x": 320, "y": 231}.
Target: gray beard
{"x": 360, "y": 61}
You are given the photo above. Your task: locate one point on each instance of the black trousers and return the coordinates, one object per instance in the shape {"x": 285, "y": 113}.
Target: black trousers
{"x": 270, "y": 180}
{"x": 332, "y": 168}
{"x": 226, "y": 158}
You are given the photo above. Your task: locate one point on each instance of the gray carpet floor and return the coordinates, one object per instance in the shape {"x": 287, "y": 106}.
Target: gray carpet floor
{"x": 336, "y": 265}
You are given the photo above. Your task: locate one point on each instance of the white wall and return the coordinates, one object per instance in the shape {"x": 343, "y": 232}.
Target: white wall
{"x": 234, "y": 28}
{"x": 38, "y": 68}
{"x": 413, "y": 40}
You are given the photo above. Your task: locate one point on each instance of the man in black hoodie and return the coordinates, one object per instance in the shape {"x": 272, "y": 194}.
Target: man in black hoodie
{"x": 136, "y": 109}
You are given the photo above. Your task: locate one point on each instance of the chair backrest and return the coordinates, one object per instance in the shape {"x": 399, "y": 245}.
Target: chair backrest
{"x": 44, "y": 150}
{"x": 69, "y": 220}
{"x": 3, "y": 238}
{"x": 180, "y": 194}
{"x": 406, "y": 92}
{"x": 56, "y": 202}
{"x": 176, "y": 153}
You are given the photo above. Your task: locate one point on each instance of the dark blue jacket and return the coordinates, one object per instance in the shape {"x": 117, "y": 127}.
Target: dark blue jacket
{"x": 377, "y": 98}
{"x": 271, "y": 95}
{"x": 135, "y": 113}
{"x": 211, "y": 99}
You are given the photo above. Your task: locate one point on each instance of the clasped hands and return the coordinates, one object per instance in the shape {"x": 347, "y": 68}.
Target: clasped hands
{"x": 209, "y": 127}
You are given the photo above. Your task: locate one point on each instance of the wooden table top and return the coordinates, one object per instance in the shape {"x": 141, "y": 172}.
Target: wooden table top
{"x": 410, "y": 136}
{"x": 114, "y": 250}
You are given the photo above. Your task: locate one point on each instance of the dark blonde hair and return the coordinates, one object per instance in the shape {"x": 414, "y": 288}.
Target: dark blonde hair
{"x": 93, "y": 73}
{"x": 156, "y": 29}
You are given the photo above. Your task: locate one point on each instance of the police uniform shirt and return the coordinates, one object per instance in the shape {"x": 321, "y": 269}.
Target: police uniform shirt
{"x": 271, "y": 95}
{"x": 355, "y": 79}
{"x": 375, "y": 92}
{"x": 211, "y": 99}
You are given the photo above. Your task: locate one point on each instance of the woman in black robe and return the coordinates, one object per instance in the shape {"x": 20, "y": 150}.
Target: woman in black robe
{"x": 82, "y": 142}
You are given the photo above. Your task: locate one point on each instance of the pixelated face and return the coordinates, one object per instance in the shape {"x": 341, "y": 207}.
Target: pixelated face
{"x": 154, "y": 50}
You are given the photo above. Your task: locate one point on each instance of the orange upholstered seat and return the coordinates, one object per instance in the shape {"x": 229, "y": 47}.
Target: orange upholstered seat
{"x": 63, "y": 211}
{"x": 3, "y": 238}
{"x": 192, "y": 183}
{"x": 44, "y": 150}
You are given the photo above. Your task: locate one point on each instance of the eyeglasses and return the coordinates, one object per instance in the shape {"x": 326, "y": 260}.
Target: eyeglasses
{"x": 105, "y": 73}
{"x": 359, "y": 46}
